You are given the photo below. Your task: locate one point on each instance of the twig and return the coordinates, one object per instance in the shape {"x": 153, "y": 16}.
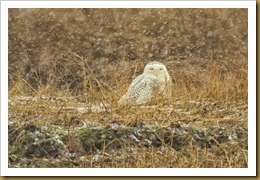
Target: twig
{"x": 29, "y": 85}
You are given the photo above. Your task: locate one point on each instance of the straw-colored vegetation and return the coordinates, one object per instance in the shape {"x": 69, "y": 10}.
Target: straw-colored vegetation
{"x": 63, "y": 93}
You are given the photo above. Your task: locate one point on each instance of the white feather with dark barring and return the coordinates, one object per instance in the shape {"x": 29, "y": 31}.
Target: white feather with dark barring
{"x": 155, "y": 80}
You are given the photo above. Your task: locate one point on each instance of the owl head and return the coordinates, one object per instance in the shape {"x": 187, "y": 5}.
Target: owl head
{"x": 158, "y": 69}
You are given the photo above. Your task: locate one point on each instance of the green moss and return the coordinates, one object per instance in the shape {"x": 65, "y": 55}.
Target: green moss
{"x": 97, "y": 138}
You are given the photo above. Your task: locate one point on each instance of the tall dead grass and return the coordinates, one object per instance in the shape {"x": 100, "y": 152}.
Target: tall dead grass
{"x": 193, "y": 78}
{"x": 196, "y": 84}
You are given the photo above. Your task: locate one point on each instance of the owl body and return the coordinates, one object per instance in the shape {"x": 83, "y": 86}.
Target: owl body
{"x": 155, "y": 80}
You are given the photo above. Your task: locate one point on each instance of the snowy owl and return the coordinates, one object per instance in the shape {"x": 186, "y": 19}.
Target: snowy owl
{"x": 155, "y": 81}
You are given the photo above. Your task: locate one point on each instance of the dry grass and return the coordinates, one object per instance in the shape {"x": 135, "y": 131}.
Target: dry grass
{"x": 204, "y": 93}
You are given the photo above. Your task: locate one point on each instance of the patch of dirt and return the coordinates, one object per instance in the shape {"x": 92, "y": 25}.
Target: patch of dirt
{"x": 59, "y": 146}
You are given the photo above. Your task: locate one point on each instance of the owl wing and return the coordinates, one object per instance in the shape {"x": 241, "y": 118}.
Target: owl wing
{"x": 141, "y": 89}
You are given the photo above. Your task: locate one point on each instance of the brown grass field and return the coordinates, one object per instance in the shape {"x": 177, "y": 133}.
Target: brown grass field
{"x": 68, "y": 68}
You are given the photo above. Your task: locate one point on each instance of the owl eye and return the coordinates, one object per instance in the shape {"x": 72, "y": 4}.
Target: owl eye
{"x": 160, "y": 68}
{"x": 151, "y": 68}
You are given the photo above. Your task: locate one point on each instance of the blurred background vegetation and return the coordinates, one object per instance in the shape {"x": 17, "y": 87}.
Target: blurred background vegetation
{"x": 56, "y": 46}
